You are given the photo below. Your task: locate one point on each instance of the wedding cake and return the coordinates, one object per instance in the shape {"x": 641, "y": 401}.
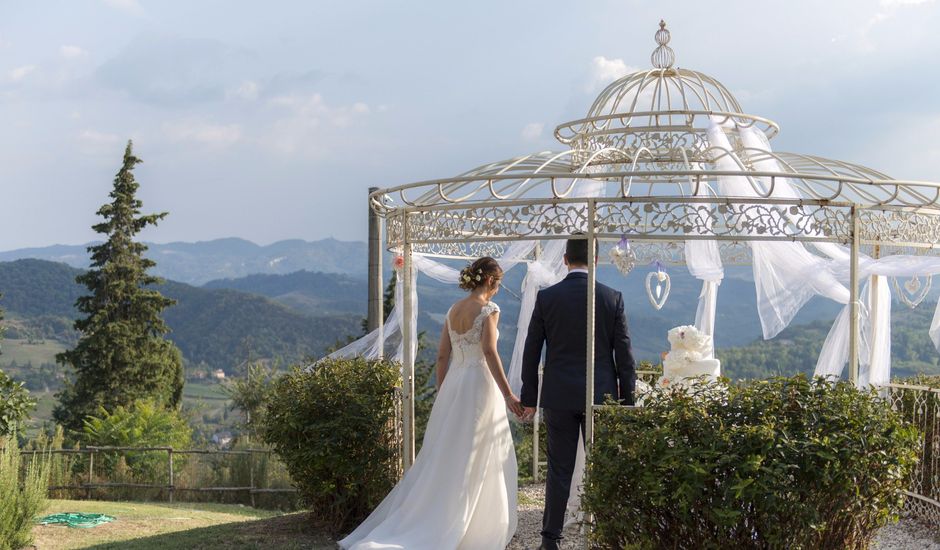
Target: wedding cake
{"x": 690, "y": 356}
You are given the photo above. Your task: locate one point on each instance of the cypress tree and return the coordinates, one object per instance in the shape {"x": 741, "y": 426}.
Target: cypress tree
{"x": 123, "y": 354}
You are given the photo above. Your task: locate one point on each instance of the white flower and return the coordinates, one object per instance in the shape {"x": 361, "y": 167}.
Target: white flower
{"x": 689, "y": 338}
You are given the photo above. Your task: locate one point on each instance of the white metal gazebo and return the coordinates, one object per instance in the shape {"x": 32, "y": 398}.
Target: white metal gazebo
{"x": 667, "y": 159}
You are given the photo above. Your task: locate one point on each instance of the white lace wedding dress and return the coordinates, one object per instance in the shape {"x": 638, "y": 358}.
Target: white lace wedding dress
{"x": 460, "y": 493}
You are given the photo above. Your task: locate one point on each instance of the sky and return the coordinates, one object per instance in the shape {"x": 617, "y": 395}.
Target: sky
{"x": 270, "y": 120}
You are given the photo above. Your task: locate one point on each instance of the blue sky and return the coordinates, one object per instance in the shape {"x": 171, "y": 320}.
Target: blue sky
{"x": 269, "y": 120}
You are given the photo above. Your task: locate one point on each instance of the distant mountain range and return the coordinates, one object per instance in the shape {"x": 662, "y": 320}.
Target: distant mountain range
{"x": 318, "y": 293}
{"x": 219, "y": 328}
{"x": 296, "y": 298}
{"x": 199, "y": 262}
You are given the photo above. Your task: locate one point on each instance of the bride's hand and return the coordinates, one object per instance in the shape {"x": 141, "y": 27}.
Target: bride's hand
{"x": 514, "y": 404}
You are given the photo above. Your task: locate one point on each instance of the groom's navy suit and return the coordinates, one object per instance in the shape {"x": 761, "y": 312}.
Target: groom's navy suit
{"x": 559, "y": 322}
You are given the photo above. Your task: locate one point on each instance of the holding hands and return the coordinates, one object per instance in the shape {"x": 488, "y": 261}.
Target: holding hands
{"x": 514, "y": 405}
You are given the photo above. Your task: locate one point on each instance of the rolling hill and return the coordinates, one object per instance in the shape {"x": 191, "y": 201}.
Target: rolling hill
{"x": 217, "y": 327}
{"x": 196, "y": 263}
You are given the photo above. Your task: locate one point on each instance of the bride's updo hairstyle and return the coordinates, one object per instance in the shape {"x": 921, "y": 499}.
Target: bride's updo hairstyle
{"x": 479, "y": 273}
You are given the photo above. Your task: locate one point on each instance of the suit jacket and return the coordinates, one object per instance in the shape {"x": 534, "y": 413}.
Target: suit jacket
{"x": 559, "y": 322}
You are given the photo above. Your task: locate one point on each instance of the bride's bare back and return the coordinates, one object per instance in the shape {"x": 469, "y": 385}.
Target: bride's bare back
{"x": 464, "y": 313}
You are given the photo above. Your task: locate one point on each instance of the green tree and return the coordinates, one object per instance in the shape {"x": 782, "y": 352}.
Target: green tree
{"x": 251, "y": 394}
{"x": 123, "y": 354}
{"x": 142, "y": 424}
{"x": 388, "y": 303}
{"x": 15, "y": 404}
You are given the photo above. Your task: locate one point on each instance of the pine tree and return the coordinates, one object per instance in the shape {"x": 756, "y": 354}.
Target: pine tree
{"x": 122, "y": 354}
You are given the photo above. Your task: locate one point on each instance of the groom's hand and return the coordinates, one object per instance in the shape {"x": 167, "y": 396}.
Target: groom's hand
{"x": 514, "y": 405}
{"x": 528, "y": 414}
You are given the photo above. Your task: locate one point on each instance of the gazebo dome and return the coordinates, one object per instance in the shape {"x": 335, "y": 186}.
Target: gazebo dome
{"x": 665, "y": 110}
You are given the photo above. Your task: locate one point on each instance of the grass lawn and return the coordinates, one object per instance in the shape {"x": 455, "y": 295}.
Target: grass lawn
{"x": 209, "y": 390}
{"x": 142, "y": 526}
{"x": 23, "y": 352}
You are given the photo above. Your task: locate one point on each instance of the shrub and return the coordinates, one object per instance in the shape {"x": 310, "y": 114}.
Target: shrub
{"x": 143, "y": 424}
{"x": 781, "y": 463}
{"x": 64, "y": 468}
{"x": 334, "y": 429}
{"x": 15, "y": 404}
{"x": 21, "y": 496}
{"x": 522, "y": 438}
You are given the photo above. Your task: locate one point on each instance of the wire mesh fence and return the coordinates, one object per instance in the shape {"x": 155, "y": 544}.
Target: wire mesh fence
{"x": 240, "y": 476}
{"x": 920, "y": 406}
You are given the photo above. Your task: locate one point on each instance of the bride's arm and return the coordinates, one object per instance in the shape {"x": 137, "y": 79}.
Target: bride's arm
{"x": 495, "y": 365}
{"x": 443, "y": 356}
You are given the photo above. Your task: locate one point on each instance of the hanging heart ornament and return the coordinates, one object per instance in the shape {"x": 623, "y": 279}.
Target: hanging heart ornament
{"x": 660, "y": 293}
{"x": 913, "y": 291}
{"x": 623, "y": 257}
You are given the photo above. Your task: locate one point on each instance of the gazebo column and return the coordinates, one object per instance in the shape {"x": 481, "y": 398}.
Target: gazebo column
{"x": 589, "y": 360}
{"x": 408, "y": 355}
{"x": 537, "y": 255}
{"x": 853, "y": 300}
{"x": 375, "y": 313}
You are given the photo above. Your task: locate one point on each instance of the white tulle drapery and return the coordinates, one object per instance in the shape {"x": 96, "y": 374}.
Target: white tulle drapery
{"x": 787, "y": 274}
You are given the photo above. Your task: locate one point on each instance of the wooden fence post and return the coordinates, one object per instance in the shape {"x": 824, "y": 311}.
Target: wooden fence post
{"x": 91, "y": 468}
{"x": 251, "y": 477}
{"x": 169, "y": 455}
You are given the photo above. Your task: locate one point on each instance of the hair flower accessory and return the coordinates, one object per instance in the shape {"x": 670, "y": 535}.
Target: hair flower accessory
{"x": 399, "y": 262}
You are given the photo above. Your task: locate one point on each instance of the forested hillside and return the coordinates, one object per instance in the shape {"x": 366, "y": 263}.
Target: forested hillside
{"x": 796, "y": 348}
{"x": 294, "y": 315}
{"x": 216, "y": 328}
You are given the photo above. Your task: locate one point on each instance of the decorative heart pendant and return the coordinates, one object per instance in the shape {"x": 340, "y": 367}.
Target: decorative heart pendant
{"x": 663, "y": 285}
{"x": 913, "y": 292}
{"x": 623, "y": 257}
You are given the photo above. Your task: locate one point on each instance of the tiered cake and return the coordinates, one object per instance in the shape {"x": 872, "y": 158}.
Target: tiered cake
{"x": 690, "y": 357}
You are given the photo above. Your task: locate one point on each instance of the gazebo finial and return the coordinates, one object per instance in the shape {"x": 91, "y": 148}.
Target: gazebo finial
{"x": 663, "y": 57}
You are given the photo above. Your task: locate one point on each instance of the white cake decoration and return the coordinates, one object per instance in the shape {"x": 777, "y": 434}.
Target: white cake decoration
{"x": 690, "y": 357}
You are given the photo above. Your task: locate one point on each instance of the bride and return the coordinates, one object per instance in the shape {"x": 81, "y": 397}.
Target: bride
{"x": 461, "y": 491}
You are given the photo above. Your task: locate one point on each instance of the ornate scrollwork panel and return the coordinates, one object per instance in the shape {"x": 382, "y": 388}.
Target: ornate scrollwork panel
{"x": 625, "y": 147}
{"x": 461, "y": 250}
{"x": 496, "y": 222}
{"x": 899, "y": 226}
{"x": 682, "y": 219}
{"x": 665, "y": 219}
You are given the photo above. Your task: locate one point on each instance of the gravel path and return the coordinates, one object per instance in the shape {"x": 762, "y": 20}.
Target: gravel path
{"x": 904, "y": 535}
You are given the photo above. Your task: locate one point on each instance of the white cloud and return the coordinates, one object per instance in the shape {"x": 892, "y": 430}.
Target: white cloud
{"x": 889, "y": 9}
{"x": 604, "y": 71}
{"x": 314, "y": 110}
{"x": 94, "y": 137}
{"x": 20, "y": 73}
{"x": 312, "y": 127}
{"x": 894, "y": 3}
{"x": 71, "y": 52}
{"x": 532, "y": 131}
{"x": 247, "y": 90}
{"x": 214, "y": 135}
{"x": 132, "y": 7}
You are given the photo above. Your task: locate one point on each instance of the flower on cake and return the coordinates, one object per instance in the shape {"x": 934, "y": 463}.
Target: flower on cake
{"x": 689, "y": 344}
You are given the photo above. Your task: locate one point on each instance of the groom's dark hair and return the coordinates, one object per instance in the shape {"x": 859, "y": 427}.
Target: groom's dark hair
{"x": 576, "y": 250}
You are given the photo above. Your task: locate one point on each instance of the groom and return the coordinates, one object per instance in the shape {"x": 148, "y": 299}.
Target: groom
{"x": 559, "y": 322}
